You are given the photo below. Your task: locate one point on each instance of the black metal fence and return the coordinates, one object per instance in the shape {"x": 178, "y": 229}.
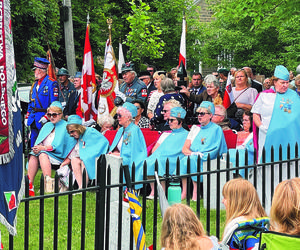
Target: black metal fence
{"x": 216, "y": 172}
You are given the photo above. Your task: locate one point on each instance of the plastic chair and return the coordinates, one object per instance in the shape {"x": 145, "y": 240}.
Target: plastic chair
{"x": 278, "y": 241}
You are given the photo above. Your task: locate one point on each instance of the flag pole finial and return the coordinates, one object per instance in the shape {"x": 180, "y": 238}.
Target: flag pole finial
{"x": 109, "y": 23}
{"x": 88, "y": 18}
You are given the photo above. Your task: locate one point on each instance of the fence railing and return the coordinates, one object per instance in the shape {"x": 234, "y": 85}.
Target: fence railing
{"x": 110, "y": 210}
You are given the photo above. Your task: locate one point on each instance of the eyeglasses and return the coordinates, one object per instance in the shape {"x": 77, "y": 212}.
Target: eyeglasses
{"x": 203, "y": 114}
{"x": 150, "y": 70}
{"x": 240, "y": 76}
{"x": 119, "y": 115}
{"x": 138, "y": 107}
{"x": 54, "y": 115}
{"x": 171, "y": 120}
{"x": 165, "y": 111}
{"x": 71, "y": 132}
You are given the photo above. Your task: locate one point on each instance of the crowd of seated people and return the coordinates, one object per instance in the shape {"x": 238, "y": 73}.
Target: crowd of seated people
{"x": 206, "y": 136}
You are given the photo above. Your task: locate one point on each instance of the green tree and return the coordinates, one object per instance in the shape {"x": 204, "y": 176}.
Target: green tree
{"x": 143, "y": 39}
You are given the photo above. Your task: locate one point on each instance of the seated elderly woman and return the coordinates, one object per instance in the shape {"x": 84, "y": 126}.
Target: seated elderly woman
{"x": 244, "y": 142}
{"x": 129, "y": 142}
{"x": 52, "y": 146}
{"x": 285, "y": 209}
{"x": 164, "y": 148}
{"x": 201, "y": 141}
{"x": 90, "y": 144}
{"x": 181, "y": 229}
{"x": 106, "y": 122}
{"x": 154, "y": 96}
{"x": 168, "y": 87}
{"x": 211, "y": 93}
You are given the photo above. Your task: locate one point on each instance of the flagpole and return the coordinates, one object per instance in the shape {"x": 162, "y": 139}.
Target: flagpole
{"x": 109, "y": 23}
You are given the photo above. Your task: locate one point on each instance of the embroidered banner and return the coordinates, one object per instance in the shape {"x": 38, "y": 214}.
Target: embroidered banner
{"x": 4, "y": 119}
{"x": 11, "y": 146}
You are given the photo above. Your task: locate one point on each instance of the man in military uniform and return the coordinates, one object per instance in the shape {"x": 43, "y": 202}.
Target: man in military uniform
{"x": 72, "y": 103}
{"x": 132, "y": 87}
{"x": 66, "y": 87}
{"x": 43, "y": 92}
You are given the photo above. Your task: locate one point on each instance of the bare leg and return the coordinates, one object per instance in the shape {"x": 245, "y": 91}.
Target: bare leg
{"x": 45, "y": 164}
{"x": 82, "y": 168}
{"x": 183, "y": 193}
{"x": 163, "y": 184}
{"x": 33, "y": 166}
{"x": 76, "y": 166}
{"x": 152, "y": 189}
{"x": 194, "y": 191}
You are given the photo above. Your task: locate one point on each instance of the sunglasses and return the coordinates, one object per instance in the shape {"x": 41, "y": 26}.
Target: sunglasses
{"x": 202, "y": 114}
{"x": 150, "y": 70}
{"x": 171, "y": 120}
{"x": 54, "y": 115}
{"x": 165, "y": 111}
{"x": 71, "y": 132}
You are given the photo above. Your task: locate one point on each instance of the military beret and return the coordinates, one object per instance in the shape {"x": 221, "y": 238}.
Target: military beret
{"x": 223, "y": 71}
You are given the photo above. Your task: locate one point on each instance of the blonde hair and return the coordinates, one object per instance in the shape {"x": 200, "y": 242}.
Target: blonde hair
{"x": 181, "y": 228}
{"x": 241, "y": 200}
{"x": 77, "y": 127}
{"x": 159, "y": 74}
{"x": 248, "y": 83}
{"x": 285, "y": 209}
{"x": 54, "y": 109}
{"x": 173, "y": 103}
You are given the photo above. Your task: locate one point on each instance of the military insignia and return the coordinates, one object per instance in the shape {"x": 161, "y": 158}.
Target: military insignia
{"x": 127, "y": 138}
{"x": 45, "y": 90}
{"x": 203, "y": 141}
{"x": 286, "y": 106}
{"x": 2, "y": 138}
{"x": 144, "y": 93}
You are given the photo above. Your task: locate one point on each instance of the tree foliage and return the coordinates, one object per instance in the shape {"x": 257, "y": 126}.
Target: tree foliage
{"x": 260, "y": 34}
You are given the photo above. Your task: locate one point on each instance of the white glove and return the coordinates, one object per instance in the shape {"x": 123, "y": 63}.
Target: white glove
{"x": 88, "y": 123}
{"x": 121, "y": 95}
{"x": 26, "y": 122}
{"x": 262, "y": 128}
{"x": 43, "y": 120}
{"x": 197, "y": 153}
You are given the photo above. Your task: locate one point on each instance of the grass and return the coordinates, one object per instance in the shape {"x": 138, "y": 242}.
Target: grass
{"x": 34, "y": 218}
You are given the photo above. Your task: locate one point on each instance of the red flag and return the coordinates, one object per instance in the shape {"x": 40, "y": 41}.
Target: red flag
{"x": 51, "y": 66}
{"x": 106, "y": 92}
{"x": 182, "y": 55}
{"x": 228, "y": 95}
{"x": 88, "y": 81}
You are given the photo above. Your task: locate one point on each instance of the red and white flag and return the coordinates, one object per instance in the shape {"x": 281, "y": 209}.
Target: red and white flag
{"x": 121, "y": 58}
{"x": 88, "y": 82}
{"x": 106, "y": 94}
{"x": 228, "y": 95}
{"x": 182, "y": 55}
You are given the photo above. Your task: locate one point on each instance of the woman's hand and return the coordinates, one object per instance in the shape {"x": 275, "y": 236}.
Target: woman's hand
{"x": 38, "y": 148}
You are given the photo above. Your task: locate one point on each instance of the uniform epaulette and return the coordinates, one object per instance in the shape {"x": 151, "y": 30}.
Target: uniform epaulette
{"x": 51, "y": 79}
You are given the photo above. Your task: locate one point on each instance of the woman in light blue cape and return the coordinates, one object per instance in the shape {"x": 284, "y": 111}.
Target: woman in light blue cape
{"x": 169, "y": 146}
{"x": 90, "y": 144}
{"x": 129, "y": 142}
{"x": 51, "y": 146}
{"x": 201, "y": 141}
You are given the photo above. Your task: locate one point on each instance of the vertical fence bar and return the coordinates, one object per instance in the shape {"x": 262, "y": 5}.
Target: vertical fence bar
{"x": 155, "y": 208}
{"x": 246, "y": 164}
{"x": 167, "y": 177}
{"x": 120, "y": 209}
{"x": 208, "y": 196}
{"x": 263, "y": 178}
{"x": 70, "y": 214}
{"x": 227, "y": 166}
{"x": 100, "y": 203}
{"x": 237, "y": 163}
{"x": 188, "y": 181}
{"x": 83, "y": 209}
{"x": 218, "y": 198}
{"x": 26, "y": 214}
{"x": 288, "y": 163}
{"x": 272, "y": 170}
{"x": 280, "y": 163}
{"x": 55, "y": 219}
{"x": 107, "y": 221}
{"x": 297, "y": 162}
{"x": 198, "y": 185}
{"x": 42, "y": 211}
{"x": 144, "y": 214}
